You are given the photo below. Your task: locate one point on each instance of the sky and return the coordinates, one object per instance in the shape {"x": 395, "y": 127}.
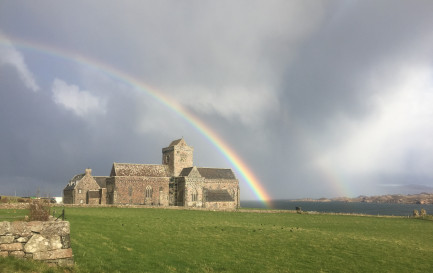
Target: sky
{"x": 316, "y": 98}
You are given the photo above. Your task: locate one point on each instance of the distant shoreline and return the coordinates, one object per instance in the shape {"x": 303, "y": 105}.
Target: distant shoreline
{"x": 421, "y": 198}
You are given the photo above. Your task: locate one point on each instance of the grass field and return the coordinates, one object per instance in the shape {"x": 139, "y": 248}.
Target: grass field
{"x": 13, "y": 214}
{"x": 158, "y": 240}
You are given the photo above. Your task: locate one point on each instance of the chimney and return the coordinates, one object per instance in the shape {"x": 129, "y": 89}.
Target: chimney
{"x": 88, "y": 172}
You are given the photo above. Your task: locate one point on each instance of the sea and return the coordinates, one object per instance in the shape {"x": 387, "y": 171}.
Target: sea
{"x": 342, "y": 207}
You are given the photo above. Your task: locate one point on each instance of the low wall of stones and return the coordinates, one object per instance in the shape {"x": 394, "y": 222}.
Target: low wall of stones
{"x": 47, "y": 241}
{"x": 14, "y": 205}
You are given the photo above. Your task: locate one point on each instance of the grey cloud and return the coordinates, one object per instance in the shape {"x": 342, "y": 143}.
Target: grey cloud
{"x": 309, "y": 76}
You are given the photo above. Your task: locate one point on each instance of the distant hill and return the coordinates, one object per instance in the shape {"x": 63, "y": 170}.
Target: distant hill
{"x": 420, "y": 198}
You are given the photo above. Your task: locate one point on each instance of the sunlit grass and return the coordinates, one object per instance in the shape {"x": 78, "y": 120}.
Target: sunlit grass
{"x": 155, "y": 240}
{"x": 159, "y": 240}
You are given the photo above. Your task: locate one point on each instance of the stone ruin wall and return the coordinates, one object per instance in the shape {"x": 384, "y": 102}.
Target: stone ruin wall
{"x": 44, "y": 241}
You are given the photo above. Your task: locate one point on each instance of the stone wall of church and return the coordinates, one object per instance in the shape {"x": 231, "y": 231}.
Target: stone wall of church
{"x": 223, "y": 184}
{"x": 133, "y": 190}
{"x": 177, "y": 191}
{"x": 220, "y": 205}
{"x": 232, "y": 186}
{"x": 87, "y": 183}
{"x": 193, "y": 194}
{"x": 177, "y": 158}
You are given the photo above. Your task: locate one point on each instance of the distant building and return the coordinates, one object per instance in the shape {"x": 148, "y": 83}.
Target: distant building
{"x": 176, "y": 182}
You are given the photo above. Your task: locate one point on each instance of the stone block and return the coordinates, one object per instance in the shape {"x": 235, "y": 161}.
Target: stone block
{"x": 5, "y": 228}
{"x": 7, "y": 239}
{"x": 53, "y": 254}
{"x": 60, "y": 228}
{"x": 55, "y": 242}
{"x": 4, "y": 253}
{"x": 40, "y": 243}
{"x": 66, "y": 241}
{"x": 18, "y": 254}
{"x": 22, "y": 239}
{"x": 36, "y": 226}
{"x": 21, "y": 228}
{"x": 11, "y": 247}
{"x": 36, "y": 244}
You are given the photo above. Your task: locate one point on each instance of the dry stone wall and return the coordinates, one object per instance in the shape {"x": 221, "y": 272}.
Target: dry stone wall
{"x": 45, "y": 241}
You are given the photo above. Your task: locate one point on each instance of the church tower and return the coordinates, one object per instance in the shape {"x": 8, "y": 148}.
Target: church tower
{"x": 178, "y": 155}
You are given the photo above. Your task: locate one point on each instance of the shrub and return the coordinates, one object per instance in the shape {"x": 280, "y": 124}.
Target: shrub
{"x": 4, "y": 199}
{"x": 423, "y": 213}
{"x": 415, "y": 213}
{"x": 39, "y": 210}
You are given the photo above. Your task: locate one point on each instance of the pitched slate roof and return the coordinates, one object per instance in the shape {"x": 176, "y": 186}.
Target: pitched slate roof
{"x": 177, "y": 141}
{"x": 210, "y": 173}
{"x": 73, "y": 182}
{"x": 218, "y": 196}
{"x": 185, "y": 171}
{"x": 101, "y": 180}
{"x": 127, "y": 169}
{"x": 214, "y": 173}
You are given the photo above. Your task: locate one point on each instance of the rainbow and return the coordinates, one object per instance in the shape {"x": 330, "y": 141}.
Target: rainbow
{"x": 247, "y": 175}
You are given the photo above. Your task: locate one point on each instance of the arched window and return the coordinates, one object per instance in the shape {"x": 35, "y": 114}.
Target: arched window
{"x": 149, "y": 192}
{"x": 194, "y": 196}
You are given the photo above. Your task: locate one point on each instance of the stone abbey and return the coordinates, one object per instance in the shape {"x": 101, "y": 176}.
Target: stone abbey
{"x": 175, "y": 182}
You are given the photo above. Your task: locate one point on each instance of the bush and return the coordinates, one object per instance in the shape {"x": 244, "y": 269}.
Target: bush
{"x": 39, "y": 210}
{"x": 415, "y": 213}
{"x": 423, "y": 213}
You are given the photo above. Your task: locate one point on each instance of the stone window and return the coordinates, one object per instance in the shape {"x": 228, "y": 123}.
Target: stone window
{"x": 79, "y": 191}
{"x": 130, "y": 191}
{"x": 149, "y": 192}
{"x": 194, "y": 196}
{"x": 81, "y": 201}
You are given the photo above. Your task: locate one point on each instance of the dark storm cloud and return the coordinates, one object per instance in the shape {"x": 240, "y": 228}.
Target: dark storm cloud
{"x": 303, "y": 92}
{"x": 329, "y": 74}
{"x": 329, "y": 80}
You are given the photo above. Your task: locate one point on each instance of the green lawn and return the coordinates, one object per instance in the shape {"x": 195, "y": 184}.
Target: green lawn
{"x": 158, "y": 240}
{"x": 13, "y": 214}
